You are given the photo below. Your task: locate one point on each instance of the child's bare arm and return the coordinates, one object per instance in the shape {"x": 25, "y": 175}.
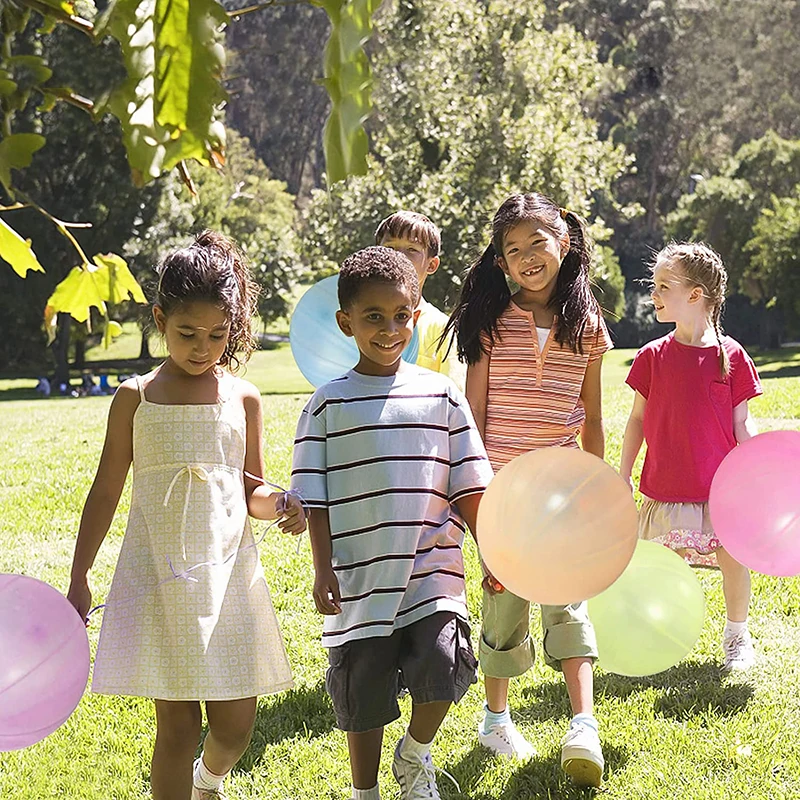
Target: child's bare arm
{"x": 477, "y": 391}
{"x": 593, "y": 438}
{"x": 468, "y": 508}
{"x": 744, "y": 426}
{"x": 262, "y": 501}
{"x": 103, "y": 498}
{"x": 634, "y": 436}
{"x": 327, "y": 598}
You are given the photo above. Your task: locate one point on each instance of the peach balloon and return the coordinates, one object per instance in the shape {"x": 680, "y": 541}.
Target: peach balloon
{"x": 557, "y": 526}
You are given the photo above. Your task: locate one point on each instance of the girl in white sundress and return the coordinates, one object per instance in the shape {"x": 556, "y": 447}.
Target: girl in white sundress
{"x": 189, "y": 615}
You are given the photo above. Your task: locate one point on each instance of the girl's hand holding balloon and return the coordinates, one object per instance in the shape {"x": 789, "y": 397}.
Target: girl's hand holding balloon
{"x": 80, "y": 595}
{"x": 490, "y": 583}
{"x": 293, "y": 515}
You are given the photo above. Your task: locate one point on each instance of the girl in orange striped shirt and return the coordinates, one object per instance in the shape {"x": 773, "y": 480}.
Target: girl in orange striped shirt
{"x": 533, "y": 380}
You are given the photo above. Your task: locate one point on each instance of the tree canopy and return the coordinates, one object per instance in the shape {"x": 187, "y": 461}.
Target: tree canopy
{"x": 472, "y": 101}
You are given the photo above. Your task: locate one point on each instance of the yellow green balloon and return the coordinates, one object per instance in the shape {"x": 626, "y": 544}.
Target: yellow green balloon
{"x": 651, "y": 616}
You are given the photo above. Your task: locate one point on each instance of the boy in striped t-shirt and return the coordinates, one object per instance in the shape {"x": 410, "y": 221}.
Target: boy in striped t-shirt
{"x": 389, "y": 459}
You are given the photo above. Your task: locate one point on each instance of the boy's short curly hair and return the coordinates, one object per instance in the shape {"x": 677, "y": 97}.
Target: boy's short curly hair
{"x": 376, "y": 265}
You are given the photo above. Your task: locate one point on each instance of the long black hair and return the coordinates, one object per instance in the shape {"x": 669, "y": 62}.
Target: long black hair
{"x": 486, "y": 294}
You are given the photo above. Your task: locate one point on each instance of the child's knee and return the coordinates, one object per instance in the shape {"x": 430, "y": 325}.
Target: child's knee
{"x": 232, "y": 731}
{"x": 179, "y": 725}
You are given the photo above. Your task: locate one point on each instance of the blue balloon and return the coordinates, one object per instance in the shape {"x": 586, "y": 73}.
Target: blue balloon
{"x": 321, "y": 351}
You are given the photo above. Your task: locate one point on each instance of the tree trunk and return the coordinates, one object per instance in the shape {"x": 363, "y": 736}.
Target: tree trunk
{"x": 771, "y": 328}
{"x": 80, "y": 353}
{"x": 144, "y": 348}
{"x": 60, "y": 349}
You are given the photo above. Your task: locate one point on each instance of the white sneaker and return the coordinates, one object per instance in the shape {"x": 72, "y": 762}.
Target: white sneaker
{"x": 417, "y": 776}
{"x": 504, "y": 739}
{"x": 739, "y": 652}
{"x": 205, "y": 794}
{"x": 582, "y": 756}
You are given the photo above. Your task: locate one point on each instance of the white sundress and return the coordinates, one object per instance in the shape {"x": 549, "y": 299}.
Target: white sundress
{"x": 210, "y": 634}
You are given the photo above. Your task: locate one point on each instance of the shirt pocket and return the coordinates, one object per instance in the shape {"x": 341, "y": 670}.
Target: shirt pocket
{"x": 720, "y": 394}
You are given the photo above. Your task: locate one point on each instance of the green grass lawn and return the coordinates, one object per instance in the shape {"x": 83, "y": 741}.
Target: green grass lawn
{"x": 686, "y": 733}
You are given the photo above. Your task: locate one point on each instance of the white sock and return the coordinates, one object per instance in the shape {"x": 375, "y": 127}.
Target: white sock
{"x": 494, "y": 717}
{"x": 734, "y": 629}
{"x": 367, "y": 794}
{"x": 204, "y": 778}
{"x": 409, "y": 746}
{"x": 585, "y": 719}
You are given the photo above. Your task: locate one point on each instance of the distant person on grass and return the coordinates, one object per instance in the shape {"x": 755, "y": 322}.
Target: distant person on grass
{"x": 690, "y": 404}
{"x": 390, "y": 461}
{"x": 189, "y": 615}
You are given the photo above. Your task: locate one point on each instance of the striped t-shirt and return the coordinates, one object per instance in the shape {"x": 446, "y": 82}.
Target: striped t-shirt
{"x": 533, "y": 399}
{"x": 388, "y": 457}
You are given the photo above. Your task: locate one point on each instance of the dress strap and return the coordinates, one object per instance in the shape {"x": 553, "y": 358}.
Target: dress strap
{"x": 225, "y": 384}
{"x": 140, "y": 387}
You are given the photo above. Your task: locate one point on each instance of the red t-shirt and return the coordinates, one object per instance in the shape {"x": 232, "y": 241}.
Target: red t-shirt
{"x": 688, "y": 420}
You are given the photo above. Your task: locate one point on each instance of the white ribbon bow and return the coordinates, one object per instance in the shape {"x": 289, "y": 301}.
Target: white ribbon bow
{"x": 193, "y": 471}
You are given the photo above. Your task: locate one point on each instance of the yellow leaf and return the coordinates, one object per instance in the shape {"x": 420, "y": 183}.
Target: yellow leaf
{"x": 17, "y": 251}
{"x": 113, "y": 329}
{"x": 77, "y": 293}
{"x": 115, "y": 281}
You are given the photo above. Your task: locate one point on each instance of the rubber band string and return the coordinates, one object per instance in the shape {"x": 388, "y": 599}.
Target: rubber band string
{"x": 186, "y": 574}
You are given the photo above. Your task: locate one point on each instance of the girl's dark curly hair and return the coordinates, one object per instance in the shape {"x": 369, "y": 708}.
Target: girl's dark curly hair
{"x": 214, "y": 269}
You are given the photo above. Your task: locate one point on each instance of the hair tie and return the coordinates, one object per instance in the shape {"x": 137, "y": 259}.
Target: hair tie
{"x": 563, "y": 212}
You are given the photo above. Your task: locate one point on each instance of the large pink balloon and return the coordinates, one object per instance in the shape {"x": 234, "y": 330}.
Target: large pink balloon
{"x": 557, "y": 526}
{"x": 755, "y": 503}
{"x": 44, "y": 660}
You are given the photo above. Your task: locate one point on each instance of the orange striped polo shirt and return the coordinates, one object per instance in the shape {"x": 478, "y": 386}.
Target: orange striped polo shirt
{"x": 533, "y": 399}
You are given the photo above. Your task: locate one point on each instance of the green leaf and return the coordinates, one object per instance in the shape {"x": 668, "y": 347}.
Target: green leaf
{"x": 348, "y": 80}
{"x": 112, "y": 330}
{"x": 115, "y": 281}
{"x": 17, "y": 251}
{"x": 13, "y": 18}
{"x": 29, "y": 71}
{"x": 76, "y": 294}
{"x": 170, "y": 106}
{"x": 106, "y": 281}
{"x": 16, "y": 152}
{"x": 7, "y": 85}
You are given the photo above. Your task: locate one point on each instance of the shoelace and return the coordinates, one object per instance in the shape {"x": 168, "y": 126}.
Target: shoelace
{"x": 733, "y": 646}
{"x": 428, "y": 774}
{"x": 574, "y": 731}
{"x": 210, "y": 794}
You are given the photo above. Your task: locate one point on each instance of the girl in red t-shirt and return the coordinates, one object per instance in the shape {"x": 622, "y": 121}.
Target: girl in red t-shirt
{"x": 692, "y": 388}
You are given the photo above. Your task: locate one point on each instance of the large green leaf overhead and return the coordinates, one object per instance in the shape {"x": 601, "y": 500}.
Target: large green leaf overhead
{"x": 348, "y": 80}
{"x": 170, "y": 105}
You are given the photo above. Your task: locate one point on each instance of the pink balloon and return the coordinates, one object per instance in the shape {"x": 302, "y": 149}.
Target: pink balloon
{"x": 755, "y": 503}
{"x": 44, "y": 660}
{"x": 557, "y": 525}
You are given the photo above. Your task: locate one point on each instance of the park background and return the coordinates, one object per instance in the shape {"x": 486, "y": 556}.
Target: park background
{"x": 654, "y": 120}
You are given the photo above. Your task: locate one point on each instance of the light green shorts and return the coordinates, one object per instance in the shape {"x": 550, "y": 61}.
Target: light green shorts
{"x": 506, "y": 648}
